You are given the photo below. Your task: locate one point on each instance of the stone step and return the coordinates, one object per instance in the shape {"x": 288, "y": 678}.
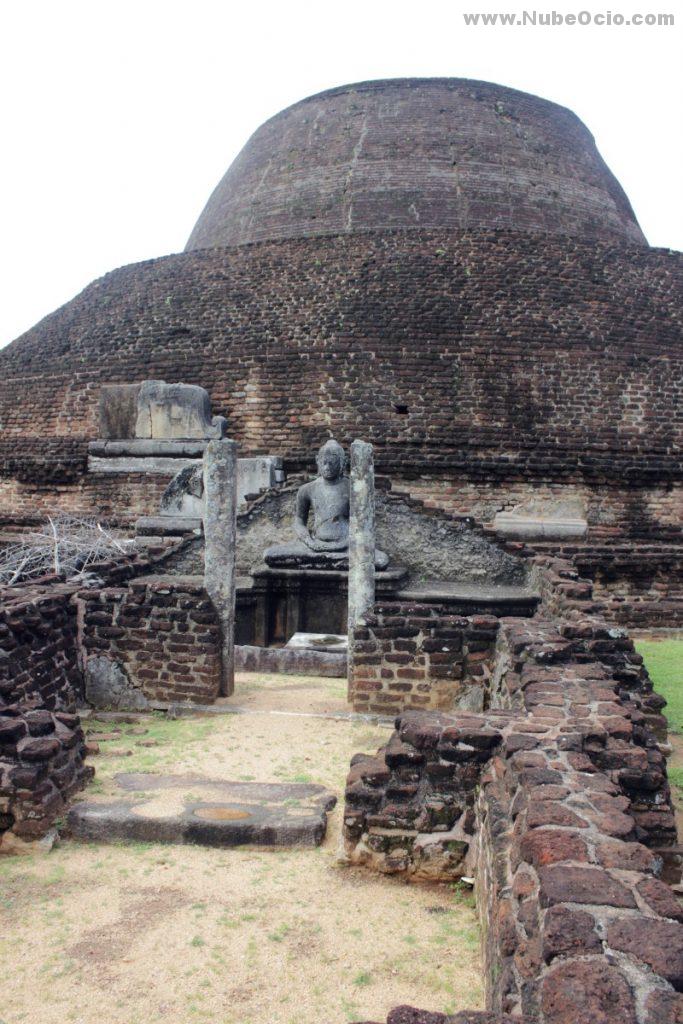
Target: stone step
{"x": 208, "y": 812}
{"x": 474, "y": 598}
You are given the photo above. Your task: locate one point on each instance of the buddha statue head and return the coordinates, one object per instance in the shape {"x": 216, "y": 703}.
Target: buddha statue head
{"x": 331, "y": 460}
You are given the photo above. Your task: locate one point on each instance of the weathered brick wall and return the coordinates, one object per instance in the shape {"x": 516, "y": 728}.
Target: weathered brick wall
{"x": 564, "y": 593}
{"x": 110, "y": 497}
{"x": 558, "y": 803}
{"x": 41, "y": 766}
{"x": 329, "y": 333}
{"x": 163, "y": 634}
{"x": 420, "y": 656}
{"x": 636, "y": 585}
{"x": 39, "y": 647}
{"x": 437, "y": 152}
{"x": 612, "y": 510}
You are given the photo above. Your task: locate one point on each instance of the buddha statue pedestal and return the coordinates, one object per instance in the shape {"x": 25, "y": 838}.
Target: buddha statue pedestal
{"x": 298, "y": 556}
{"x": 281, "y": 602}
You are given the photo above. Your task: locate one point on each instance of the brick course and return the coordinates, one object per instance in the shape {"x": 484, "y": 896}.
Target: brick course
{"x": 337, "y": 334}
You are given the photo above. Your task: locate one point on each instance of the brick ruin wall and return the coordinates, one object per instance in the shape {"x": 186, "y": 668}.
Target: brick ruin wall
{"x": 39, "y": 647}
{"x": 556, "y": 799}
{"x": 42, "y": 757}
{"x": 48, "y": 629}
{"x": 635, "y": 585}
{"x": 420, "y": 656}
{"x": 160, "y": 637}
{"x": 42, "y": 747}
{"x": 41, "y": 630}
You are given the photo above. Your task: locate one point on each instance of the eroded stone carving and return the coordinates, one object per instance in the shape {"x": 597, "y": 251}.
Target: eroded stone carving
{"x": 107, "y": 686}
{"x": 321, "y": 521}
{"x": 155, "y": 410}
{"x": 176, "y": 411}
{"x": 184, "y": 496}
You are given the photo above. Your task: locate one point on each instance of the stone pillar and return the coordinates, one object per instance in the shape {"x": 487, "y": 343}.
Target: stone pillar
{"x": 361, "y": 538}
{"x": 220, "y": 535}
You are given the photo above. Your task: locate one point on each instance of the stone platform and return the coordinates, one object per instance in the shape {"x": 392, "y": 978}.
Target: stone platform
{"x": 209, "y": 812}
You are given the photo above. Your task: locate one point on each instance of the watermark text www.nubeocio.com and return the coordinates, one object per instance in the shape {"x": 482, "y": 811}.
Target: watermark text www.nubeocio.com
{"x": 555, "y": 18}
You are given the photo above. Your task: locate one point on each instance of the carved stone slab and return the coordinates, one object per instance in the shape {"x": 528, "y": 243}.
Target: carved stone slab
{"x": 210, "y": 812}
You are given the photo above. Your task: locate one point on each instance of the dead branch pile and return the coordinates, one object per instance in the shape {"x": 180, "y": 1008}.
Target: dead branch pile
{"x": 65, "y": 545}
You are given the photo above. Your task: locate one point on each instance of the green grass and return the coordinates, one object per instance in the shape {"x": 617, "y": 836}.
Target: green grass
{"x": 664, "y": 662}
{"x": 176, "y": 739}
{"x": 364, "y": 978}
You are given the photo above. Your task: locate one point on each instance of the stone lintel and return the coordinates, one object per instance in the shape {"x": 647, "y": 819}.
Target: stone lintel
{"x": 160, "y": 465}
{"x": 146, "y": 447}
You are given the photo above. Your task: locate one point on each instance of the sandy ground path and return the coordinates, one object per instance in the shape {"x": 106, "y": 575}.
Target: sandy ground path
{"x": 102, "y": 934}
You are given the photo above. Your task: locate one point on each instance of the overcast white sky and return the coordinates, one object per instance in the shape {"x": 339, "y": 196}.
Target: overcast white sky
{"x": 118, "y": 119}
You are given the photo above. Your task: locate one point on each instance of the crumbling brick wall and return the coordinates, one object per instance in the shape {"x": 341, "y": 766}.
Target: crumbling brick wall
{"x": 42, "y": 632}
{"x": 39, "y": 647}
{"x": 420, "y": 656}
{"x": 557, "y": 801}
{"x": 636, "y": 585}
{"x": 163, "y": 634}
{"x": 41, "y": 766}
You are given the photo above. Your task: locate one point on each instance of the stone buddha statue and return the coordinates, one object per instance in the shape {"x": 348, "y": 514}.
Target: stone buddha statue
{"x": 321, "y": 521}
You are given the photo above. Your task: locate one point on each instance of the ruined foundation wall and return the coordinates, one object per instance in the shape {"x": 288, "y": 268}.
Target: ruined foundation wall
{"x": 42, "y": 746}
{"x": 41, "y": 766}
{"x": 39, "y": 647}
{"x": 557, "y": 801}
{"x": 420, "y": 656}
{"x": 628, "y": 584}
{"x": 636, "y": 585}
{"x": 153, "y": 642}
